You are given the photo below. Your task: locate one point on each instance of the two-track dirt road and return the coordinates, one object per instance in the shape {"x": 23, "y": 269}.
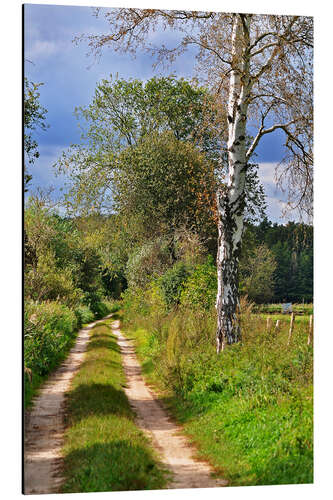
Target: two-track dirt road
{"x": 44, "y": 428}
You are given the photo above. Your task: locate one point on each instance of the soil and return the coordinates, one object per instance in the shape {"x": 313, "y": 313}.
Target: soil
{"x": 44, "y": 425}
{"x": 173, "y": 447}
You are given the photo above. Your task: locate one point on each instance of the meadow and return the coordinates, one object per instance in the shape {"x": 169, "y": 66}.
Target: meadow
{"x": 248, "y": 410}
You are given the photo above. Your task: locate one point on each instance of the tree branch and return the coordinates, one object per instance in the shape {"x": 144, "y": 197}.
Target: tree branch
{"x": 265, "y": 47}
{"x": 206, "y": 47}
{"x": 262, "y": 131}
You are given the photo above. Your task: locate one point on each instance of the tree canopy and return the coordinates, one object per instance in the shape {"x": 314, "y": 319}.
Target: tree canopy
{"x": 274, "y": 59}
{"x": 127, "y": 117}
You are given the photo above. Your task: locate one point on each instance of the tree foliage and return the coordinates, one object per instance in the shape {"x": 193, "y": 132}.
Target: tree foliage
{"x": 34, "y": 118}
{"x": 257, "y": 275}
{"x": 291, "y": 246}
{"x": 167, "y": 182}
{"x": 66, "y": 259}
{"x": 274, "y": 60}
{"x": 121, "y": 115}
{"x": 152, "y": 152}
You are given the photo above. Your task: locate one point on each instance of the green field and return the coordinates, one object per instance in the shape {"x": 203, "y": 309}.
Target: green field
{"x": 277, "y": 308}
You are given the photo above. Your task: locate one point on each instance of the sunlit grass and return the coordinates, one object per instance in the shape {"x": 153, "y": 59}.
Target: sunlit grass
{"x": 250, "y": 409}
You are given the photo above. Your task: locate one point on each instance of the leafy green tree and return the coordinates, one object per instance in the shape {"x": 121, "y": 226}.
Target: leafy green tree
{"x": 120, "y": 115}
{"x": 292, "y": 246}
{"x": 133, "y": 109}
{"x": 49, "y": 270}
{"x": 34, "y": 118}
{"x": 168, "y": 183}
{"x": 125, "y": 114}
{"x": 64, "y": 259}
{"x": 257, "y": 275}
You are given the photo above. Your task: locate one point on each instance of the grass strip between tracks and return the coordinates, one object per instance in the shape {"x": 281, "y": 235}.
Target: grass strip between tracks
{"x": 104, "y": 449}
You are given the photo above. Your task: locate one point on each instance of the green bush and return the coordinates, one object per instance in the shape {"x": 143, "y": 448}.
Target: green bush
{"x": 49, "y": 282}
{"x": 83, "y": 315}
{"x": 48, "y": 330}
{"x": 94, "y": 300}
{"x": 200, "y": 288}
{"x": 172, "y": 283}
{"x": 100, "y": 309}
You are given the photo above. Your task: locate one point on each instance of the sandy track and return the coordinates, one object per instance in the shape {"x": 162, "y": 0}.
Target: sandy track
{"x": 174, "y": 449}
{"x": 44, "y": 424}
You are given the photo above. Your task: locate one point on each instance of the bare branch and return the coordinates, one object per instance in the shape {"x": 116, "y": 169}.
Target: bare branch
{"x": 260, "y": 38}
{"x": 206, "y": 47}
{"x": 262, "y": 131}
{"x": 265, "y": 47}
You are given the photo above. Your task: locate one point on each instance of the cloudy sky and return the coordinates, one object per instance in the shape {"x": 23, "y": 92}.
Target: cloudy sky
{"x": 70, "y": 77}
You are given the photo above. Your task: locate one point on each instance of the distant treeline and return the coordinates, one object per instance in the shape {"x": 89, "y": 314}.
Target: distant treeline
{"x": 292, "y": 248}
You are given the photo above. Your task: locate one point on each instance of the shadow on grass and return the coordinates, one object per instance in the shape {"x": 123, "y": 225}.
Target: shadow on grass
{"x": 97, "y": 399}
{"x": 289, "y": 469}
{"x": 92, "y": 364}
{"x": 103, "y": 342}
{"x": 115, "y": 466}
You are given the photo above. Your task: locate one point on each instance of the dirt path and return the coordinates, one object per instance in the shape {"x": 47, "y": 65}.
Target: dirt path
{"x": 44, "y": 424}
{"x": 174, "y": 449}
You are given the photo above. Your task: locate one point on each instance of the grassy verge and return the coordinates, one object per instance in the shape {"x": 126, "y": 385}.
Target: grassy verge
{"x": 104, "y": 449}
{"x": 33, "y": 385}
{"x": 249, "y": 410}
{"x": 50, "y": 332}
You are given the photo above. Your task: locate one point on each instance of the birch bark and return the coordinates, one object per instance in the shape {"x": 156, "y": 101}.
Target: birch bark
{"x": 231, "y": 199}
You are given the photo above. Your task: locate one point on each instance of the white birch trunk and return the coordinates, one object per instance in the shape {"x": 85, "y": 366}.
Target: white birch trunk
{"x": 231, "y": 199}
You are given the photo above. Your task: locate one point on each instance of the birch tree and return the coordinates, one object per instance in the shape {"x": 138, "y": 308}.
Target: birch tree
{"x": 260, "y": 68}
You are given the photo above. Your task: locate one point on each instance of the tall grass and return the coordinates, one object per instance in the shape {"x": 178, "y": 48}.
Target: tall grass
{"x": 49, "y": 332}
{"x": 249, "y": 409}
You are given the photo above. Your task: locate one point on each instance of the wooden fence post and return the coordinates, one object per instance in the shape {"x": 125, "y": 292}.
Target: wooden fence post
{"x": 277, "y": 325}
{"x": 292, "y": 319}
{"x": 268, "y": 324}
{"x": 310, "y": 336}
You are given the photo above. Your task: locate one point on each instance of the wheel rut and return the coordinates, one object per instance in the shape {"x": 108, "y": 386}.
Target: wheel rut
{"x": 44, "y": 424}
{"x": 172, "y": 446}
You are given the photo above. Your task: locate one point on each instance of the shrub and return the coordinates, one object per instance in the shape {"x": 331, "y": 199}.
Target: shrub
{"x": 83, "y": 315}
{"x": 48, "y": 282}
{"x": 48, "y": 330}
{"x": 200, "y": 288}
{"x": 172, "y": 283}
{"x": 100, "y": 309}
